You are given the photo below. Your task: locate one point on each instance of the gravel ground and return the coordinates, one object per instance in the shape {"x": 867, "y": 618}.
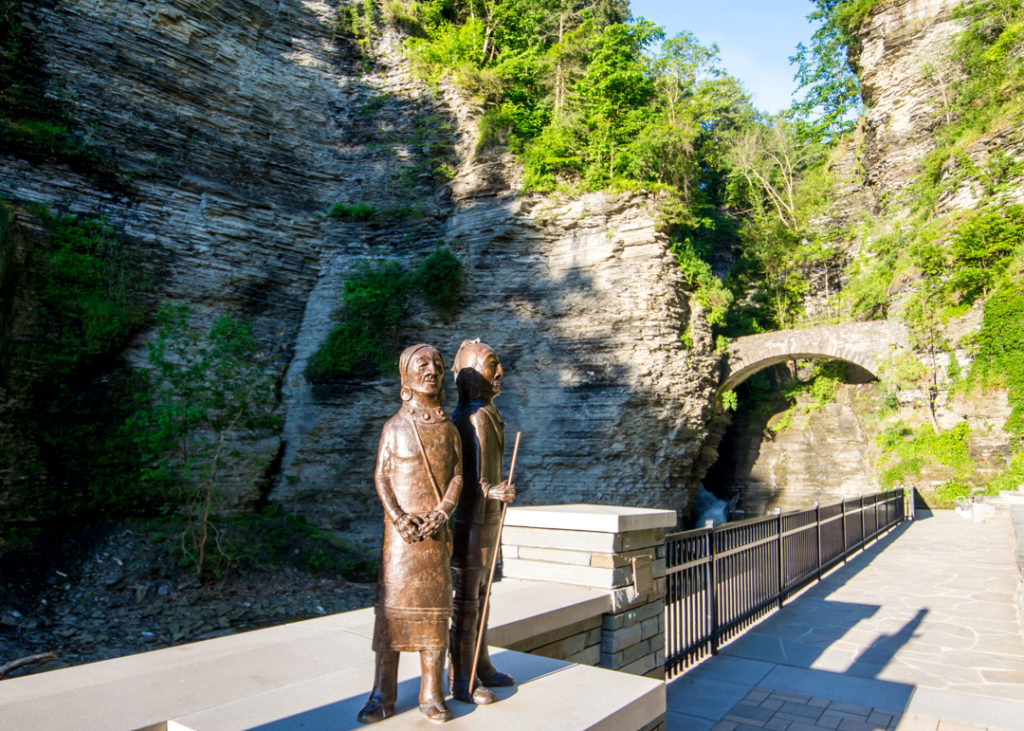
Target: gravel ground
{"x": 114, "y": 590}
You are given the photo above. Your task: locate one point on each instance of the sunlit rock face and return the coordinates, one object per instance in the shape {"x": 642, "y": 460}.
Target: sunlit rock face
{"x": 904, "y": 71}
{"x": 908, "y": 78}
{"x": 234, "y": 125}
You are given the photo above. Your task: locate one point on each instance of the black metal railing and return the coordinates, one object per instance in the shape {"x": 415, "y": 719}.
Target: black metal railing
{"x": 723, "y": 579}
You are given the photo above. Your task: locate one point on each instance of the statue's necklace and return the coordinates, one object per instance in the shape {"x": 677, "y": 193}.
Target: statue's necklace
{"x": 424, "y": 414}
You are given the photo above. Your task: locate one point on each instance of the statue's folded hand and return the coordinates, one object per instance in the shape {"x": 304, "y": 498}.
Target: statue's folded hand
{"x": 408, "y": 526}
{"x": 432, "y": 522}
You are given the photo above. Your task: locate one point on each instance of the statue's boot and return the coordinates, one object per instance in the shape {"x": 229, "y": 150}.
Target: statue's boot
{"x": 431, "y": 686}
{"x": 462, "y": 646}
{"x": 381, "y": 703}
{"x": 489, "y": 675}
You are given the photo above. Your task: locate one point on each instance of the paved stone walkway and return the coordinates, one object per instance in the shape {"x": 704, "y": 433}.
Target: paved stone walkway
{"x": 918, "y": 632}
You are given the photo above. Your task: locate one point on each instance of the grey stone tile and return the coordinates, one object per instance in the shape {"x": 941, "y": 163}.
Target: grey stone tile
{"x": 790, "y": 696}
{"x": 838, "y": 687}
{"x": 880, "y": 719}
{"x": 829, "y": 720}
{"x": 756, "y": 713}
{"x": 848, "y": 724}
{"x": 801, "y": 709}
{"x": 852, "y": 708}
{"x": 996, "y": 713}
{"x": 683, "y": 722}
{"x": 743, "y": 722}
{"x": 757, "y": 695}
{"x": 708, "y": 698}
{"x": 731, "y": 668}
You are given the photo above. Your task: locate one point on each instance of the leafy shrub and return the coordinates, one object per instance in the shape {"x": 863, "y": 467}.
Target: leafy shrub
{"x": 72, "y": 300}
{"x": 1000, "y": 342}
{"x": 374, "y": 304}
{"x": 90, "y": 297}
{"x": 819, "y": 388}
{"x": 439, "y": 278}
{"x": 946, "y": 494}
{"x": 707, "y": 288}
{"x": 352, "y": 211}
{"x": 980, "y": 250}
{"x": 907, "y": 453}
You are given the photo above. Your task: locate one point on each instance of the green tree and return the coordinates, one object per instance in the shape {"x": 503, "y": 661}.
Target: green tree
{"x": 206, "y": 392}
{"x": 767, "y": 165}
{"x": 831, "y": 101}
{"x": 765, "y": 162}
{"x": 981, "y": 248}
{"x": 614, "y": 93}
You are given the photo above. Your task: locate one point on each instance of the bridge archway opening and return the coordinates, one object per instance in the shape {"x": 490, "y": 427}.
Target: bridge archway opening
{"x": 769, "y": 392}
{"x": 856, "y": 372}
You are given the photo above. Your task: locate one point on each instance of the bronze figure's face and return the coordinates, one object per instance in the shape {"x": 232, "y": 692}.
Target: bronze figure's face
{"x": 478, "y": 368}
{"x": 424, "y": 374}
{"x": 423, "y": 371}
{"x": 490, "y": 369}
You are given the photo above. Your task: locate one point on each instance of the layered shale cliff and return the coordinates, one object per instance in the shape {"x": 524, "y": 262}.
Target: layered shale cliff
{"x": 229, "y": 127}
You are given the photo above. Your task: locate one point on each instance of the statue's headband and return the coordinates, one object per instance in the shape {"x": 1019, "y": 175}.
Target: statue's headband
{"x": 406, "y": 358}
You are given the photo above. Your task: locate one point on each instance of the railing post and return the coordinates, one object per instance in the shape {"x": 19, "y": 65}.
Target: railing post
{"x": 817, "y": 533}
{"x": 781, "y": 562}
{"x": 863, "y": 539}
{"x": 712, "y": 591}
{"x": 842, "y": 512}
{"x": 878, "y": 533}
{"x": 909, "y": 508}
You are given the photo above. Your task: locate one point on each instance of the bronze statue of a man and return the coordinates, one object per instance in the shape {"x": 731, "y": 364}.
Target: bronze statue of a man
{"x": 478, "y": 378}
{"x": 418, "y": 478}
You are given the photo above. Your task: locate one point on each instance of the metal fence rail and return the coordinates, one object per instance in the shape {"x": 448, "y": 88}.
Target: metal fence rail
{"x": 723, "y": 579}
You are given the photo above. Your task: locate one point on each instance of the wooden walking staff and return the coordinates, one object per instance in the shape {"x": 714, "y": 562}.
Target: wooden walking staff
{"x": 490, "y": 577}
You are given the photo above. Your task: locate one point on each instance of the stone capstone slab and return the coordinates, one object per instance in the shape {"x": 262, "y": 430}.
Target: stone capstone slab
{"x": 590, "y": 518}
{"x": 317, "y": 674}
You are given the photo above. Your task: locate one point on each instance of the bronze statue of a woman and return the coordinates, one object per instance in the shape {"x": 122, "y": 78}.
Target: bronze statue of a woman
{"x": 418, "y": 478}
{"x": 478, "y": 376}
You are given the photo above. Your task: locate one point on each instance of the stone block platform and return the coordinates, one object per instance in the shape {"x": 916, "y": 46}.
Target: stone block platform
{"x": 317, "y": 674}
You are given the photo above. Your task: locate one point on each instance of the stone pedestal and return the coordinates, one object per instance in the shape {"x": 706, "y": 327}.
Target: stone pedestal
{"x": 619, "y": 550}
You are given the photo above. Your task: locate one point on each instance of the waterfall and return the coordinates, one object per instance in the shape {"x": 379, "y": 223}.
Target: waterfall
{"x": 707, "y": 507}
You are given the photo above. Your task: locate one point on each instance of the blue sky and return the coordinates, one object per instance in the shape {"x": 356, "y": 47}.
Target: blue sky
{"x": 755, "y": 38}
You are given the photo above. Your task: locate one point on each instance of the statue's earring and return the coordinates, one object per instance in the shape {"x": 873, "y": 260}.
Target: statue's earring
{"x": 405, "y": 393}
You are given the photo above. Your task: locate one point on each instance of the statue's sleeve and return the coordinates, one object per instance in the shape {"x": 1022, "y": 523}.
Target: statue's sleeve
{"x": 451, "y": 495}
{"x": 486, "y": 444}
{"x": 382, "y": 475}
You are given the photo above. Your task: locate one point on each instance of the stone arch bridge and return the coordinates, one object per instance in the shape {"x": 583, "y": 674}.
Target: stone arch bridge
{"x": 865, "y": 344}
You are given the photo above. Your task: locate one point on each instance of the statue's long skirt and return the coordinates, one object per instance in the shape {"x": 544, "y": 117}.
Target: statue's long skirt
{"x": 414, "y": 592}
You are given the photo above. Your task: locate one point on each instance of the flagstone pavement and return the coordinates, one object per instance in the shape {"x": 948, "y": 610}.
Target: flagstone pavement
{"x": 919, "y": 631}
